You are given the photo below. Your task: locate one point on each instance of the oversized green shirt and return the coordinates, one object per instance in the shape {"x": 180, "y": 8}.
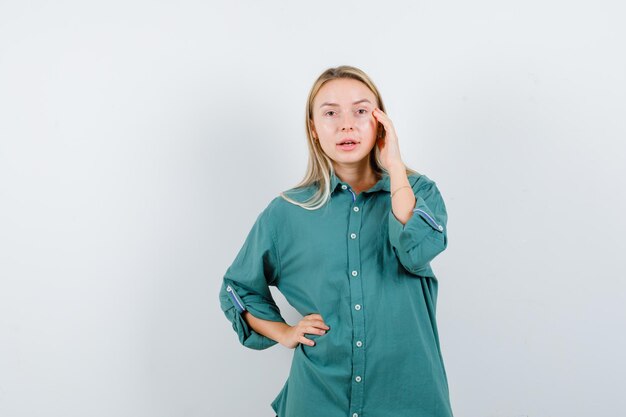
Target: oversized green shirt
{"x": 369, "y": 277}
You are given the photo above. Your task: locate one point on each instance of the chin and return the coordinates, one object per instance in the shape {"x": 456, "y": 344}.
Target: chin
{"x": 350, "y": 158}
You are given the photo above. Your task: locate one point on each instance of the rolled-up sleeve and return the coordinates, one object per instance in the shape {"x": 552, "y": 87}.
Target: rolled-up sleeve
{"x": 245, "y": 285}
{"x": 425, "y": 234}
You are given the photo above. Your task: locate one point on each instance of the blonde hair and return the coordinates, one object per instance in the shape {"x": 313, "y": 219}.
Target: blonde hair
{"x": 320, "y": 167}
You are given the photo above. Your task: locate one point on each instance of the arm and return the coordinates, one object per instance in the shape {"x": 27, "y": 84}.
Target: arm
{"x": 274, "y": 330}
{"x": 417, "y": 222}
{"x": 246, "y": 300}
{"x": 416, "y": 239}
{"x": 289, "y": 336}
{"x": 245, "y": 286}
{"x": 403, "y": 201}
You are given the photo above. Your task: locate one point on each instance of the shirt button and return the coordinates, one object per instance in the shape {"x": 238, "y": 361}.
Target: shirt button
{"x": 355, "y": 208}
{"x": 357, "y": 307}
{"x": 357, "y": 379}
{"x": 359, "y": 343}
{"x": 352, "y": 235}
{"x": 440, "y": 227}
{"x": 343, "y": 186}
{"x": 355, "y": 415}
{"x": 229, "y": 289}
{"x": 354, "y": 273}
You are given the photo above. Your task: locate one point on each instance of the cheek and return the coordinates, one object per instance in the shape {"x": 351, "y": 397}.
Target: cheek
{"x": 367, "y": 125}
{"x": 324, "y": 126}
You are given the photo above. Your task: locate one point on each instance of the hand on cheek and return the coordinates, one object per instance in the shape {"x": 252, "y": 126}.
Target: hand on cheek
{"x": 389, "y": 148}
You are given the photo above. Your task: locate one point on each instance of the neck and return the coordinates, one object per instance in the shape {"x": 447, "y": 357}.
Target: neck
{"x": 360, "y": 177}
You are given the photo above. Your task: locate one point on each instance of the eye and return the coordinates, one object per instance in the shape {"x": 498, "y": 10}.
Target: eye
{"x": 363, "y": 111}
{"x": 330, "y": 111}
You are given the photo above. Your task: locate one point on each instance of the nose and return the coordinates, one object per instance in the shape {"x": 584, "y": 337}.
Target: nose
{"x": 347, "y": 122}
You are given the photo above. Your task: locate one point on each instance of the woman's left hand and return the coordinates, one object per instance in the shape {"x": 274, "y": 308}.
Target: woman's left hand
{"x": 389, "y": 148}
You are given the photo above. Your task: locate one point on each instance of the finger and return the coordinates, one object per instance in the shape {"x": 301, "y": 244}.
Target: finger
{"x": 385, "y": 122}
{"x": 315, "y": 321}
{"x": 321, "y": 324}
{"x": 313, "y": 327}
{"x": 306, "y": 341}
{"x": 381, "y": 116}
{"x": 318, "y": 324}
{"x": 315, "y": 330}
{"x": 390, "y": 131}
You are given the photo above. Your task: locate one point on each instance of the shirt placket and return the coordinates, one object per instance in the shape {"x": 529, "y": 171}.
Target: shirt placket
{"x": 356, "y": 302}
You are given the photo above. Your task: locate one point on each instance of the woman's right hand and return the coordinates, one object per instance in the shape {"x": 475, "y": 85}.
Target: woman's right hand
{"x": 311, "y": 324}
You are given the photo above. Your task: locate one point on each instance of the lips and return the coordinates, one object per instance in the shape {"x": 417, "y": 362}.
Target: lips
{"x": 348, "y": 142}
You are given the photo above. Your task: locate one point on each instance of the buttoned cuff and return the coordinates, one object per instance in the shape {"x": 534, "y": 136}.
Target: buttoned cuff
{"x": 419, "y": 240}
{"x": 236, "y": 302}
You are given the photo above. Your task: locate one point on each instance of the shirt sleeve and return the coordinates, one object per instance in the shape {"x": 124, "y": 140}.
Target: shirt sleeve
{"x": 424, "y": 235}
{"x": 245, "y": 285}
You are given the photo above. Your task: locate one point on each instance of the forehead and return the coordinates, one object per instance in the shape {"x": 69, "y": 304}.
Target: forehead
{"x": 343, "y": 91}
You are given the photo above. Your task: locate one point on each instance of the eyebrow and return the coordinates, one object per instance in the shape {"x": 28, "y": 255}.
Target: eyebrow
{"x": 335, "y": 104}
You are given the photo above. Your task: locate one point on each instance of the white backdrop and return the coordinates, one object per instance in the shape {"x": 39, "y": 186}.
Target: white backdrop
{"x": 139, "y": 140}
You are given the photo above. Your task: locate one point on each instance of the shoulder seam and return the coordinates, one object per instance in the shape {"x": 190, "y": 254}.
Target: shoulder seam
{"x": 424, "y": 180}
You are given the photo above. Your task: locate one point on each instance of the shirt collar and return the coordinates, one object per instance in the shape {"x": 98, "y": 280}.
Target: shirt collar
{"x": 382, "y": 184}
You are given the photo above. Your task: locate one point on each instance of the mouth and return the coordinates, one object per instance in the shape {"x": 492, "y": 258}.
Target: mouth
{"x": 347, "y": 144}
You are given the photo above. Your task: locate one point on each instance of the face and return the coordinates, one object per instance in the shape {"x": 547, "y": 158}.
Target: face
{"x": 342, "y": 112}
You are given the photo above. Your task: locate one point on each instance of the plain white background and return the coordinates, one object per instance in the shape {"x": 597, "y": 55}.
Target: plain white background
{"x": 139, "y": 140}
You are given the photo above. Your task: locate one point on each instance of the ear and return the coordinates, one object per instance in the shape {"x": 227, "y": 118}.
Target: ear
{"x": 380, "y": 131}
{"x": 312, "y": 125}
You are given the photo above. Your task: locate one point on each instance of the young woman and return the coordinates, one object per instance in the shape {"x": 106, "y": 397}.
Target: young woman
{"x": 350, "y": 248}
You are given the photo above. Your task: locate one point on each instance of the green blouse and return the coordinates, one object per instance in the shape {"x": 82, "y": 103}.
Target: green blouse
{"x": 370, "y": 279}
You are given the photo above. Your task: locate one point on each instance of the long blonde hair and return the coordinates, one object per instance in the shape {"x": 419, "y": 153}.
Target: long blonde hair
{"x": 320, "y": 167}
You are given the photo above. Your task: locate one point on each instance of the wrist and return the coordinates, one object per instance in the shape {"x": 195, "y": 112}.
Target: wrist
{"x": 396, "y": 167}
{"x": 282, "y": 333}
